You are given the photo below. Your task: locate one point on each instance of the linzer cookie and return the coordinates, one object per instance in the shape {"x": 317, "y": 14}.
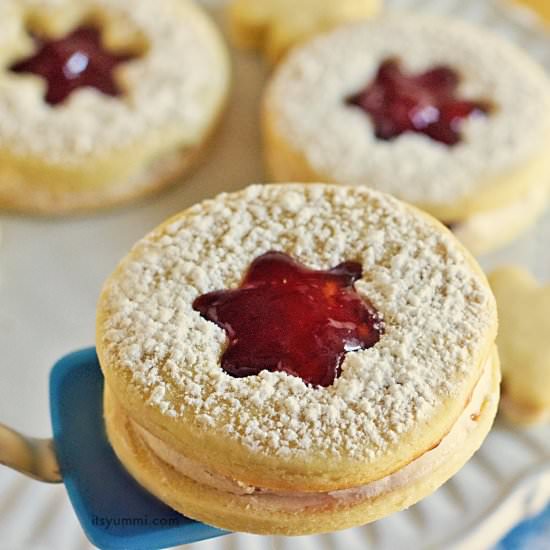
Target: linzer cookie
{"x": 103, "y": 100}
{"x": 434, "y": 111}
{"x": 295, "y": 359}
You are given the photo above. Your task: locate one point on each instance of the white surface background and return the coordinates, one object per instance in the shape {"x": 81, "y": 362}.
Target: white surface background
{"x": 51, "y": 273}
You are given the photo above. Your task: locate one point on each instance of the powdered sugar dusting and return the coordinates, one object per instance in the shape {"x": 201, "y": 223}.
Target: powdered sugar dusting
{"x": 436, "y": 310}
{"x": 170, "y": 92}
{"x": 307, "y": 100}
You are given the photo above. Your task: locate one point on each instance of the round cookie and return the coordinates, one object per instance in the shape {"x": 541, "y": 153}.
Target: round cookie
{"x": 271, "y": 447}
{"x": 437, "y": 112}
{"x": 103, "y": 101}
{"x": 524, "y": 310}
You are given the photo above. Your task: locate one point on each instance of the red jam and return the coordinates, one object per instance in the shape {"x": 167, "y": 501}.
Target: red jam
{"x": 286, "y": 317}
{"x": 75, "y": 61}
{"x": 426, "y": 103}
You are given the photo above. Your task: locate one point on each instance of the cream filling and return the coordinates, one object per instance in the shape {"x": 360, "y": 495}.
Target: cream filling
{"x": 489, "y": 229}
{"x": 415, "y": 470}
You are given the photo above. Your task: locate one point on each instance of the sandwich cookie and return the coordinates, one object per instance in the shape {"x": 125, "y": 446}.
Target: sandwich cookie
{"x": 295, "y": 359}
{"x": 437, "y": 112}
{"x": 102, "y": 101}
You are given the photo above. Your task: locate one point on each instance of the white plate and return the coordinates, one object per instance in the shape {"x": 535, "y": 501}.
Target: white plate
{"x": 50, "y": 276}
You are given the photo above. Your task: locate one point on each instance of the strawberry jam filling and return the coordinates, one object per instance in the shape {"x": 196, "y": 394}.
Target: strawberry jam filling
{"x": 286, "y": 317}
{"x": 78, "y": 60}
{"x": 427, "y": 103}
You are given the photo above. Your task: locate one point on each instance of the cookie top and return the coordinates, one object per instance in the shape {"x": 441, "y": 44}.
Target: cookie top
{"x": 170, "y": 85}
{"x": 161, "y": 358}
{"x": 308, "y": 102}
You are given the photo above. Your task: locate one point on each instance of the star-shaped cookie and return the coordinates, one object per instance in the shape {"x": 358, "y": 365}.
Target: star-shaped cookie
{"x": 276, "y": 25}
{"x": 524, "y": 344}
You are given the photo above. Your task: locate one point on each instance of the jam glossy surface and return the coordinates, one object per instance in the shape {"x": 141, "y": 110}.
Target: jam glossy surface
{"x": 426, "y": 103}
{"x": 75, "y": 61}
{"x": 286, "y": 317}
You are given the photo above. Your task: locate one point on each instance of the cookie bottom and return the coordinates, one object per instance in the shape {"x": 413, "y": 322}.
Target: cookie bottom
{"x": 492, "y": 229}
{"x": 270, "y": 513}
{"x": 32, "y": 198}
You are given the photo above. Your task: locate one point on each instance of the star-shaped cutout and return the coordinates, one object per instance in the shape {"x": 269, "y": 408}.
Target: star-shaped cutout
{"x": 75, "y": 61}
{"x": 286, "y": 317}
{"x": 426, "y": 103}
